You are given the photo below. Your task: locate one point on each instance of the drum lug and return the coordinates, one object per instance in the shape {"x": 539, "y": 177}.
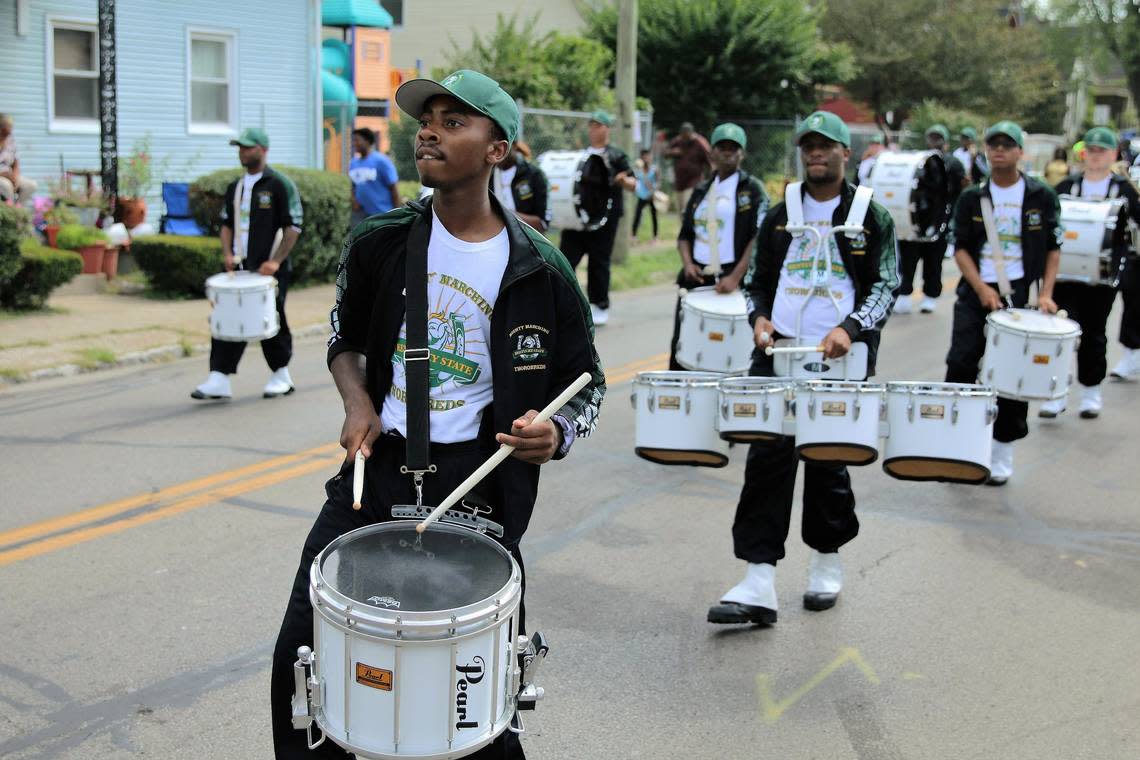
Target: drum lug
{"x": 1060, "y": 348}
{"x": 700, "y": 358}
{"x": 651, "y": 402}
{"x": 1053, "y": 383}
{"x": 765, "y": 415}
{"x": 633, "y": 400}
{"x": 857, "y": 409}
{"x": 910, "y": 409}
{"x": 702, "y": 326}
{"x": 239, "y": 299}
{"x": 811, "y": 407}
{"x": 1025, "y": 348}
{"x": 954, "y": 413}
{"x": 991, "y": 414}
{"x": 688, "y": 402}
{"x": 724, "y": 410}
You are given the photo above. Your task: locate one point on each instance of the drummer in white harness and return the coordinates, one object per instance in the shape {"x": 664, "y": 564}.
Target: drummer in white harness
{"x": 860, "y": 279}
{"x": 1093, "y": 255}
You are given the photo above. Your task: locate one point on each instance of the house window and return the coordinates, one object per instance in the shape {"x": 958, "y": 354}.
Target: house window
{"x": 211, "y": 91}
{"x": 395, "y": 9}
{"x": 74, "y": 56}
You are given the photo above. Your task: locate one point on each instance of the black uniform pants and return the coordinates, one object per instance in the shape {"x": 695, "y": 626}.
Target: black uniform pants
{"x": 642, "y": 203}
{"x": 930, "y": 254}
{"x": 764, "y": 512}
{"x": 384, "y": 486}
{"x": 278, "y": 350}
{"x": 707, "y": 281}
{"x": 968, "y": 344}
{"x": 598, "y": 245}
{"x": 1130, "y": 294}
{"x": 1089, "y": 306}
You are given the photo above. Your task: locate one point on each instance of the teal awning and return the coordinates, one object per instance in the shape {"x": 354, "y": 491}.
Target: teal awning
{"x": 355, "y": 13}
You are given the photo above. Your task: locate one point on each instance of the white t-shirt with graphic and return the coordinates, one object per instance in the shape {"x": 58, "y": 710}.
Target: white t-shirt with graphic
{"x": 725, "y": 194}
{"x": 504, "y": 178}
{"x": 247, "y": 183}
{"x": 1097, "y": 190}
{"x": 820, "y": 316}
{"x": 1007, "y": 219}
{"x": 463, "y": 284}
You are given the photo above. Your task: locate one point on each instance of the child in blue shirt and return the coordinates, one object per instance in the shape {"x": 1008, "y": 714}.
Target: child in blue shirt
{"x": 646, "y": 174}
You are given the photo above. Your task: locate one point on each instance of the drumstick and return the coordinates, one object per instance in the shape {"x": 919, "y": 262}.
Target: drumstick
{"x": 503, "y": 452}
{"x": 791, "y": 349}
{"x": 358, "y": 480}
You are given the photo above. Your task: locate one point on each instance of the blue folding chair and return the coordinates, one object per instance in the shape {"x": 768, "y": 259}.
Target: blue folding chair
{"x": 178, "y": 220}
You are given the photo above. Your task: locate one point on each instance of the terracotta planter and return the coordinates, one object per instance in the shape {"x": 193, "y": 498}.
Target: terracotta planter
{"x": 111, "y": 261}
{"x": 51, "y": 231}
{"x": 93, "y": 258}
{"x": 130, "y": 211}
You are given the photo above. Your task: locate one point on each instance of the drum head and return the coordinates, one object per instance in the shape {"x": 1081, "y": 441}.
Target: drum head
{"x": 837, "y": 453}
{"x": 383, "y": 565}
{"x": 239, "y": 281}
{"x": 932, "y": 197}
{"x": 688, "y": 457}
{"x": 593, "y": 190}
{"x": 1032, "y": 321}
{"x": 709, "y": 301}
{"x": 935, "y": 469}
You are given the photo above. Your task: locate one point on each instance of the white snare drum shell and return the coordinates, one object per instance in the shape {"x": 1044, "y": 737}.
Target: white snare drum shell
{"x": 752, "y": 408}
{"x": 674, "y": 419}
{"x": 244, "y": 306}
{"x": 838, "y": 422}
{"x": 1029, "y": 355}
{"x": 939, "y": 431}
{"x": 714, "y": 334}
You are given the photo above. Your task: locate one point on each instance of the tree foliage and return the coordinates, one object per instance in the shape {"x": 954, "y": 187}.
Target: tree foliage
{"x": 1117, "y": 27}
{"x": 716, "y": 59}
{"x": 962, "y": 54}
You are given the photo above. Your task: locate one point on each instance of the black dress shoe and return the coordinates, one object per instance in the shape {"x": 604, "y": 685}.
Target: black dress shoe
{"x": 996, "y": 481}
{"x": 734, "y": 612}
{"x": 817, "y": 601}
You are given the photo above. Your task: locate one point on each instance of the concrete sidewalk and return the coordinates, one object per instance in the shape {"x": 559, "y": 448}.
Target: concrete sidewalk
{"x": 93, "y": 331}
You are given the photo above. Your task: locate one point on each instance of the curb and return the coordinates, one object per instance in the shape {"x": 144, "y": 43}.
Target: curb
{"x": 149, "y": 356}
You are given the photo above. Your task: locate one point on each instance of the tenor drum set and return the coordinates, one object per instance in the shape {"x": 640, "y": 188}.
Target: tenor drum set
{"x": 1088, "y": 245}
{"x": 914, "y": 187}
{"x": 579, "y": 182}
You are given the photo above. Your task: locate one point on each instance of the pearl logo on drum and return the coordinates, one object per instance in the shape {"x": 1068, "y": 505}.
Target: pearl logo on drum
{"x": 470, "y": 675}
{"x": 384, "y": 601}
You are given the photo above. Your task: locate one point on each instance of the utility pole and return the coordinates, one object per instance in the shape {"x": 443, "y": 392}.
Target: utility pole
{"x": 108, "y": 104}
{"x": 626, "y": 86}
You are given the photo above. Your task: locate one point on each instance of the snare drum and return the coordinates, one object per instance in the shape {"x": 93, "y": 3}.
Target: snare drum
{"x": 1029, "y": 354}
{"x": 838, "y": 422}
{"x": 579, "y": 189}
{"x": 914, "y": 187}
{"x": 714, "y": 334}
{"x": 753, "y": 408}
{"x": 244, "y": 306}
{"x": 674, "y": 420}
{"x": 939, "y": 431}
{"x": 414, "y": 651}
{"x": 1088, "y": 245}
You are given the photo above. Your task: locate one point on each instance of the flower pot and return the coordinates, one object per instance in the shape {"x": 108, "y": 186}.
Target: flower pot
{"x": 130, "y": 211}
{"x": 51, "y": 231}
{"x": 111, "y": 261}
{"x": 93, "y": 258}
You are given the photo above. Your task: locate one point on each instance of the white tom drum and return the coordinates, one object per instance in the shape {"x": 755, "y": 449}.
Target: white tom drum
{"x": 838, "y": 422}
{"x": 939, "y": 431}
{"x": 579, "y": 189}
{"x": 415, "y": 651}
{"x": 1089, "y": 240}
{"x": 1029, "y": 354}
{"x": 674, "y": 418}
{"x": 914, "y": 187}
{"x": 753, "y": 408}
{"x": 714, "y": 334}
{"x": 244, "y": 306}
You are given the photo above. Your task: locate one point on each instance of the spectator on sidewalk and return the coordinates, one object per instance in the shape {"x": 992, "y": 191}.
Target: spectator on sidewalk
{"x": 692, "y": 157}
{"x": 373, "y": 176}
{"x": 646, "y": 173}
{"x": 1058, "y": 167}
{"x": 14, "y": 187}
{"x": 521, "y": 187}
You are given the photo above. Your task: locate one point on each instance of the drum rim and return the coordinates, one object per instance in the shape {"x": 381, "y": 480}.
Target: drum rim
{"x": 993, "y": 318}
{"x": 658, "y": 377}
{"x": 841, "y": 386}
{"x": 747, "y": 386}
{"x": 356, "y": 617}
{"x": 710, "y": 290}
{"x": 951, "y": 389}
{"x": 243, "y": 281}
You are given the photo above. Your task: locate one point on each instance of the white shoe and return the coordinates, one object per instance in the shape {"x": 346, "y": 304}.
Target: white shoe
{"x": 217, "y": 385}
{"x": 1091, "y": 403}
{"x": 600, "y": 315}
{"x": 1001, "y": 464}
{"x": 1129, "y": 365}
{"x": 903, "y": 305}
{"x": 825, "y": 579}
{"x": 758, "y": 589}
{"x": 927, "y": 305}
{"x": 1051, "y": 408}
{"x": 280, "y": 384}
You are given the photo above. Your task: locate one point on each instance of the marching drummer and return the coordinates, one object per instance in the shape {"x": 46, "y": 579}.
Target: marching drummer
{"x": 862, "y": 278}
{"x": 507, "y": 330}
{"x": 269, "y": 208}
{"x": 734, "y": 202}
{"x": 1090, "y": 304}
{"x": 1025, "y": 221}
{"x": 520, "y": 187}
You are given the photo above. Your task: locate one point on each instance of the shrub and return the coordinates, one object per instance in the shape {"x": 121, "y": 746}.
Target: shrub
{"x": 42, "y": 270}
{"x": 178, "y": 265}
{"x": 327, "y": 201}
{"x": 12, "y": 220}
{"x": 76, "y": 236}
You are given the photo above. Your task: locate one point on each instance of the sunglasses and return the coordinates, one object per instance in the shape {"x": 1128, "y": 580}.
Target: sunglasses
{"x": 1001, "y": 142}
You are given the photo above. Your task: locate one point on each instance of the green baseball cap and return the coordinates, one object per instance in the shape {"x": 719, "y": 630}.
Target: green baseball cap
{"x": 827, "y": 124}
{"x": 1009, "y": 129}
{"x": 250, "y": 137}
{"x": 1102, "y": 137}
{"x": 476, "y": 90}
{"x": 731, "y": 132}
{"x": 940, "y": 130}
{"x": 603, "y": 117}
{"x": 969, "y": 132}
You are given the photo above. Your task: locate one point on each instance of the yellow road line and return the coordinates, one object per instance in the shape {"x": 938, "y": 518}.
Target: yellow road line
{"x": 629, "y": 371}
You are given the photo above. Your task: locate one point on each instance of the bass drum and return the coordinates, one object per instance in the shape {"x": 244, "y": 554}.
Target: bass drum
{"x": 579, "y": 189}
{"x": 914, "y": 186}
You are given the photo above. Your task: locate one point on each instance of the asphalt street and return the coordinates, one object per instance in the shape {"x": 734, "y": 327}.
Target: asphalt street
{"x": 148, "y": 544}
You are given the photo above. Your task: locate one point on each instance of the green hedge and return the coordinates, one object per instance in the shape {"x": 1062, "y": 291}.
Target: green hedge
{"x": 178, "y": 265}
{"x": 41, "y": 271}
{"x": 327, "y": 201}
{"x": 12, "y": 221}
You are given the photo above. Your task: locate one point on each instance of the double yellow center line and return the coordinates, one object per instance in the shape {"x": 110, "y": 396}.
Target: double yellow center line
{"x": 113, "y": 517}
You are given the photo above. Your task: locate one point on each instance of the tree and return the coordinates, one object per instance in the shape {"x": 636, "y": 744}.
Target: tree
{"x": 961, "y": 53}
{"x": 1117, "y": 23}
{"x": 715, "y": 59}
